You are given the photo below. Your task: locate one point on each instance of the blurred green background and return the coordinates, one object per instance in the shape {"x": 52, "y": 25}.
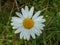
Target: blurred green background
{"x": 51, "y": 33}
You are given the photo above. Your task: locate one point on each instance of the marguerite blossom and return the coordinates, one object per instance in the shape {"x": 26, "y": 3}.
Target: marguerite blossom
{"x": 28, "y": 24}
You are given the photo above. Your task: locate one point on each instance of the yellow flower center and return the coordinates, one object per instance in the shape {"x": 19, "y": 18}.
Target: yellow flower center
{"x": 28, "y": 23}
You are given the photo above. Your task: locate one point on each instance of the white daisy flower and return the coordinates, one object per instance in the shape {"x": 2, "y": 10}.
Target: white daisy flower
{"x": 27, "y": 24}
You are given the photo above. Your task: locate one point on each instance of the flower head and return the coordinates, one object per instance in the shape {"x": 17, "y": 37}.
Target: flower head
{"x": 27, "y": 23}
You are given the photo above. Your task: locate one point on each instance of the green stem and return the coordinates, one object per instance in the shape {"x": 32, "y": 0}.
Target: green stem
{"x": 44, "y": 35}
{"x": 25, "y": 42}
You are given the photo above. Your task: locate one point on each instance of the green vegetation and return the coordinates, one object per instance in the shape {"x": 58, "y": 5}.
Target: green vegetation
{"x": 51, "y": 33}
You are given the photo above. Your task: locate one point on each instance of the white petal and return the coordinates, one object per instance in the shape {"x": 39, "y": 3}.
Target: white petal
{"x": 14, "y": 27}
{"x": 18, "y": 31}
{"x": 27, "y": 11}
{"x": 24, "y": 13}
{"x": 12, "y": 24}
{"x": 36, "y": 15}
{"x": 39, "y": 26}
{"x": 19, "y": 14}
{"x": 37, "y": 32}
{"x": 27, "y": 36}
{"x": 32, "y": 33}
{"x": 21, "y": 35}
{"x": 26, "y": 8}
{"x": 39, "y": 19}
{"x": 16, "y": 19}
{"x": 31, "y": 12}
{"x": 16, "y": 22}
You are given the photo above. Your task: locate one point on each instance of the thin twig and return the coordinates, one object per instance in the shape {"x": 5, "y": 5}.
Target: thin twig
{"x": 50, "y": 42}
{"x": 17, "y": 5}
{"x": 0, "y": 5}
{"x": 11, "y": 14}
{"x": 49, "y": 21}
{"x": 44, "y": 35}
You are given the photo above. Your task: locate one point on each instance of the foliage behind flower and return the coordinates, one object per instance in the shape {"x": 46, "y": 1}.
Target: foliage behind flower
{"x": 49, "y": 36}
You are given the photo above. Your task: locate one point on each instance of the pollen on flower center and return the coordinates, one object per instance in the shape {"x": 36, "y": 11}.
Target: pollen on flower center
{"x": 28, "y": 23}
